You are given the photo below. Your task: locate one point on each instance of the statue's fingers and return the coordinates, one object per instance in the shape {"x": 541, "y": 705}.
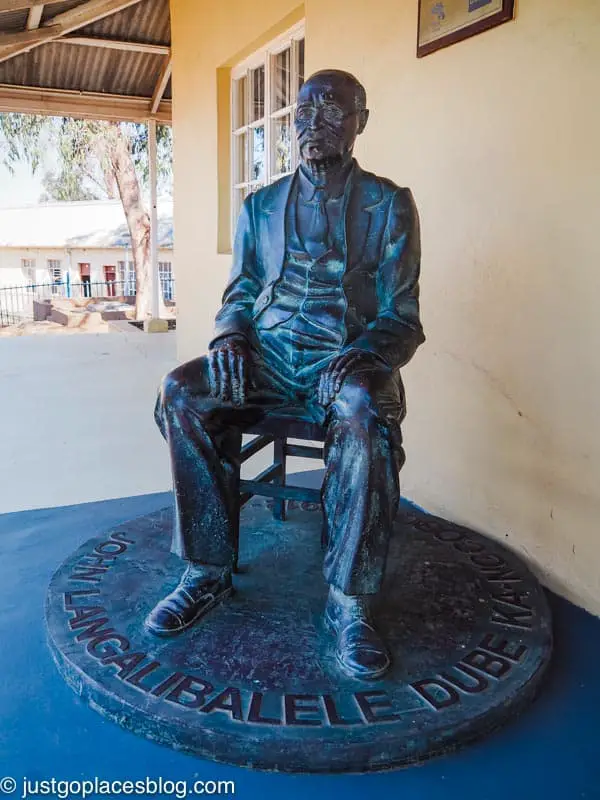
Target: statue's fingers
{"x": 349, "y": 363}
{"x": 239, "y": 397}
{"x": 213, "y": 374}
{"x": 243, "y": 378}
{"x": 341, "y": 361}
{"x": 341, "y": 376}
{"x": 331, "y": 379}
{"x": 333, "y": 376}
{"x": 234, "y": 376}
{"x": 321, "y": 392}
{"x": 225, "y": 377}
{"x": 325, "y": 380}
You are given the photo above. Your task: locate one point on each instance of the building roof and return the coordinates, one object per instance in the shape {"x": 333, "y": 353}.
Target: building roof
{"x": 97, "y": 224}
{"x": 108, "y": 59}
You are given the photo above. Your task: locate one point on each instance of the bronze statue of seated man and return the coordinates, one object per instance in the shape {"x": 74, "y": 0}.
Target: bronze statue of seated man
{"x": 320, "y": 313}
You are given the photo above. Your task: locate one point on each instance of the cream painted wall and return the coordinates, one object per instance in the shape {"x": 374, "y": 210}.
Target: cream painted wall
{"x": 498, "y": 138}
{"x": 207, "y": 35}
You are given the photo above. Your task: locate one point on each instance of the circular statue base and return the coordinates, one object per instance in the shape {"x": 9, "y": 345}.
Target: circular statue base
{"x": 255, "y": 682}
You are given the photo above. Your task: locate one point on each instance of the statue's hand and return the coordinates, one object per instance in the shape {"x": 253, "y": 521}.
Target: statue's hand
{"x": 228, "y": 368}
{"x": 346, "y": 363}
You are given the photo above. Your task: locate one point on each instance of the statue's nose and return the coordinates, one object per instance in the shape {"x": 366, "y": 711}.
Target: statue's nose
{"x": 316, "y": 120}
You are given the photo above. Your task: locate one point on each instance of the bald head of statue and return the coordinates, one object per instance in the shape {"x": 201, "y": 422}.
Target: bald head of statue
{"x": 331, "y": 113}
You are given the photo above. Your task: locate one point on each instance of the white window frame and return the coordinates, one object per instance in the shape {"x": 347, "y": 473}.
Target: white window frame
{"x": 264, "y": 57}
{"x": 54, "y": 265}
{"x": 126, "y": 277}
{"x": 28, "y": 270}
{"x": 56, "y": 273}
{"x": 165, "y": 276}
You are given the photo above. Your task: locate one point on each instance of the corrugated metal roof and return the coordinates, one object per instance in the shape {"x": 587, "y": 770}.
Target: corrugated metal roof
{"x": 93, "y": 224}
{"x": 144, "y": 22}
{"x": 84, "y": 69}
{"x": 13, "y": 21}
{"x": 93, "y": 69}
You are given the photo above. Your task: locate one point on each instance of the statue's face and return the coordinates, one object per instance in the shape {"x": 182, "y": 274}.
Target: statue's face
{"x": 327, "y": 122}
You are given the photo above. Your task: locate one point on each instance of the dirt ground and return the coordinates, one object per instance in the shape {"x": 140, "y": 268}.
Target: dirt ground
{"x": 47, "y": 327}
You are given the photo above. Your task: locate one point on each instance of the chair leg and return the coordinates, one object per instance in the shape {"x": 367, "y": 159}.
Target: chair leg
{"x": 235, "y": 442}
{"x": 280, "y": 460}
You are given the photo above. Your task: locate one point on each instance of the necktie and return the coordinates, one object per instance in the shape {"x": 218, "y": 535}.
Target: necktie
{"x": 317, "y": 241}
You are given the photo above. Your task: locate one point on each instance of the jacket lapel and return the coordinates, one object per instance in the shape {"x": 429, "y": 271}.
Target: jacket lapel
{"x": 366, "y": 204}
{"x": 272, "y": 225}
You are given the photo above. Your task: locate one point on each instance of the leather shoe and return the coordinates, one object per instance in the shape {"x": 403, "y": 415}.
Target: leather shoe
{"x": 196, "y": 594}
{"x": 360, "y": 650}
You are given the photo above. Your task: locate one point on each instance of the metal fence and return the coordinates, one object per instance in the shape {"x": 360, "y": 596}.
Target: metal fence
{"x": 17, "y": 302}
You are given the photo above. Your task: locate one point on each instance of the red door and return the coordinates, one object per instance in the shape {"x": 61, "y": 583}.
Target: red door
{"x": 110, "y": 276}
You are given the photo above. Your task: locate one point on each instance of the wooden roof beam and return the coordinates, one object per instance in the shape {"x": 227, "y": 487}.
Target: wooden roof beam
{"x": 89, "y": 12}
{"x": 13, "y": 44}
{"x": 117, "y": 44}
{"x": 161, "y": 85}
{"x": 25, "y": 40}
{"x": 35, "y": 16}
{"x": 83, "y": 105}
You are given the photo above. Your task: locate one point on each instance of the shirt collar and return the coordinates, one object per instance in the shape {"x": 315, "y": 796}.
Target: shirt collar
{"x": 333, "y": 188}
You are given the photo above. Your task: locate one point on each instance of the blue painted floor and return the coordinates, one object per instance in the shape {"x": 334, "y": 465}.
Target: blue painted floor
{"x": 552, "y": 751}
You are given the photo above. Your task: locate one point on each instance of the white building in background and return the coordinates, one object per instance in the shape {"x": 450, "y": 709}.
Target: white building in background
{"x": 87, "y": 241}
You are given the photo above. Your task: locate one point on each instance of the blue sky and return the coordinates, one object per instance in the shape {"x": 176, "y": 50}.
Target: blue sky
{"x": 20, "y": 189}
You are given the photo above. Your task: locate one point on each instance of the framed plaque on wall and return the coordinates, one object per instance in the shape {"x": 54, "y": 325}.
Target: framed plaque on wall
{"x": 444, "y": 22}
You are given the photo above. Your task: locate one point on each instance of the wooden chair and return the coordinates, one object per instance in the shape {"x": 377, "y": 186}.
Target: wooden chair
{"x": 277, "y": 428}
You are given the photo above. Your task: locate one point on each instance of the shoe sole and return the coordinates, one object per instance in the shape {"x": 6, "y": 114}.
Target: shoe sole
{"x": 371, "y": 676}
{"x": 204, "y": 610}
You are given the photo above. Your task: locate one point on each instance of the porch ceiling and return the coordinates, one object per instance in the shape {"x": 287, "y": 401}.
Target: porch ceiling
{"x": 105, "y": 59}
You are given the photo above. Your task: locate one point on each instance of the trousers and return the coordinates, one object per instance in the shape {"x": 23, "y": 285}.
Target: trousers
{"x": 363, "y": 455}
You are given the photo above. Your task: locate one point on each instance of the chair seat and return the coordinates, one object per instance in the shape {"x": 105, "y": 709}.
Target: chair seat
{"x": 289, "y": 422}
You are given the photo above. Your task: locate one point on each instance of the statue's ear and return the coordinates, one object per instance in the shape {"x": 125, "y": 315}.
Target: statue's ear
{"x": 363, "y": 118}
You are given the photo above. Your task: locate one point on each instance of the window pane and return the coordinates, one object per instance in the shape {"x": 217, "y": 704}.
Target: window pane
{"x": 282, "y": 79}
{"x": 258, "y": 154}
{"x": 282, "y": 145}
{"x": 241, "y": 158}
{"x": 127, "y": 277}
{"x": 28, "y": 269}
{"x": 258, "y": 93}
{"x": 240, "y": 116}
{"x": 300, "y": 63}
{"x": 54, "y": 268}
{"x": 166, "y": 279}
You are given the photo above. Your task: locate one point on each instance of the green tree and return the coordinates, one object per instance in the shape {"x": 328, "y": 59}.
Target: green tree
{"x": 94, "y": 160}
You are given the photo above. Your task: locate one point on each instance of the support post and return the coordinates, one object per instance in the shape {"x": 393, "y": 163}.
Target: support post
{"x": 279, "y": 460}
{"x": 155, "y": 324}
{"x": 153, "y": 217}
{"x": 69, "y": 268}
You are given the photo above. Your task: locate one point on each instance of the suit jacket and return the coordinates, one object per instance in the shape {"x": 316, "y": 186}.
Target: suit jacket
{"x": 382, "y": 262}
